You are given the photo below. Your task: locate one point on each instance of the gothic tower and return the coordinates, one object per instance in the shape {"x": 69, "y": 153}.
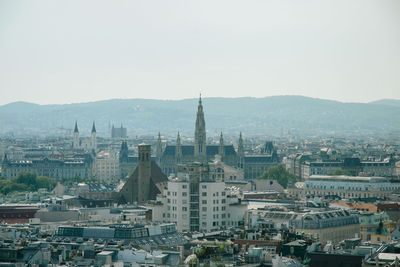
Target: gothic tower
{"x": 93, "y": 141}
{"x": 221, "y": 149}
{"x": 143, "y": 184}
{"x": 240, "y": 152}
{"x": 178, "y": 152}
{"x": 200, "y": 135}
{"x": 159, "y": 149}
{"x": 123, "y": 153}
{"x": 76, "y": 136}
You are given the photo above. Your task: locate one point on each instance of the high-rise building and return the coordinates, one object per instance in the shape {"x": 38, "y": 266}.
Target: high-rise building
{"x": 196, "y": 200}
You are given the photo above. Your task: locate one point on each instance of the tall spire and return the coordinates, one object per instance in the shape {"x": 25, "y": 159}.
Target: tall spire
{"x": 200, "y": 135}
{"x": 221, "y": 149}
{"x": 178, "y": 140}
{"x": 93, "y": 139}
{"x": 76, "y": 143}
{"x": 178, "y": 150}
{"x": 240, "y": 153}
{"x": 159, "y": 149}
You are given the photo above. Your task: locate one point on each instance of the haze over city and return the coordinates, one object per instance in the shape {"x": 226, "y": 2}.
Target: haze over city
{"x": 182, "y": 133}
{"x": 81, "y": 51}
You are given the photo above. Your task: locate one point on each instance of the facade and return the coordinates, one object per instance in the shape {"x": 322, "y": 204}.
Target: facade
{"x": 88, "y": 144}
{"x": 195, "y": 200}
{"x": 369, "y": 221}
{"x": 332, "y": 225}
{"x": 326, "y": 225}
{"x": 118, "y": 132}
{"x": 106, "y": 166}
{"x": 304, "y": 166}
{"x": 253, "y": 166}
{"x": 76, "y": 166}
{"x": 344, "y": 187}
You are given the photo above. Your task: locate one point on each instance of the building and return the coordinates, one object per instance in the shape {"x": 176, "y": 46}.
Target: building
{"x": 195, "y": 200}
{"x": 106, "y": 166}
{"x": 120, "y": 133}
{"x": 321, "y": 225}
{"x": 127, "y": 163}
{"x": 17, "y": 213}
{"x": 68, "y": 167}
{"x": 344, "y": 187}
{"x": 252, "y": 165}
{"x": 88, "y": 144}
{"x": 147, "y": 180}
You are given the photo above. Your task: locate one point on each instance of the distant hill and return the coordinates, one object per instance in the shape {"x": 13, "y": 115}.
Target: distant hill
{"x": 270, "y": 116}
{"x": 389, "y": 102}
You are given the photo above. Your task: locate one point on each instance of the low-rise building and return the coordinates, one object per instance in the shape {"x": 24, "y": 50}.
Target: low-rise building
{"x": 344, "y": 187}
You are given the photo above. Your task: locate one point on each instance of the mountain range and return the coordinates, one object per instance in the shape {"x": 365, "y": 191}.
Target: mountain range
{"x": 270, "y": 116}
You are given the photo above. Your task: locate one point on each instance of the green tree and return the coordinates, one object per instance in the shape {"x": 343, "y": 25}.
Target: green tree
{"x": 26, "y": 178}
{"x": 279, "y": 174}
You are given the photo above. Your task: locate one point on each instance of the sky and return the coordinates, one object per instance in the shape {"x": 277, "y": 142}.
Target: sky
{"x": 57, "y": 52}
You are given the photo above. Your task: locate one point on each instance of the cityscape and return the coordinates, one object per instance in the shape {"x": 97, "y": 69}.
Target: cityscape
{"x": 200, "y": 133}
{"x": 198, "y": 200}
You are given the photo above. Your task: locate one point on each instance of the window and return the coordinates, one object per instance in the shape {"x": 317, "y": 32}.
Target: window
{"x": 204, "y": 208}
{"x": 184, "y": 194}
{"x": 204, "y": 202}
{"x": 184, "y": 186}
{"x": 204, "y": 194}
{"x": 204, "y": 186}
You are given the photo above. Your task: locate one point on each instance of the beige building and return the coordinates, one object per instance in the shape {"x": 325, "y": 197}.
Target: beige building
{"x": 106, "y": 166}
{"x": 344, "y": 187}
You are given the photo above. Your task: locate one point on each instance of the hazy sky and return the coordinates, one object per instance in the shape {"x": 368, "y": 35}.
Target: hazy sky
{"x": 80, "y": 51}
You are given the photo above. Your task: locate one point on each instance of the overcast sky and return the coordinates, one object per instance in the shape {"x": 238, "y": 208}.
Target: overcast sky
{"x": 80, "y": 51}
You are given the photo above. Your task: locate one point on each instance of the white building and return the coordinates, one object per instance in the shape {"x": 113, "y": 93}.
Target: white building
{"x": 344, "y": 187}
{"x": 106, "y": 166}
{"x": 196, "y": 201}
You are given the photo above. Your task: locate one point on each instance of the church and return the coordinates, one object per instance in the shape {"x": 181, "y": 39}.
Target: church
{"x": 252, "y": 165}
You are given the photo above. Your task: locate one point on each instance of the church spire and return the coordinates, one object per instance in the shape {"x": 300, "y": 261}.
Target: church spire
{"x": 93, "y": 128}
{"x": 159, "y": 149}
{"x": 76, "y": 143}
{"x": 76, "y": 127}
{"x": 240, "y": 153}
{"x": 178, "y": 150}
{"x": 200, "y": 135}
{"x": 221, "y": 149}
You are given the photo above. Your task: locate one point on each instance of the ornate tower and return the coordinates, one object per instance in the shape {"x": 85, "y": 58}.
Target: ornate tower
{"x": 143, "y": 183}
{"x": 178, "y": 151}
{"x": 240, "y": 152}
{"x": 159, "y": 149}
{"x": 93, "y": 141}
{"x": 200, "y": 135}
{"x": 123, "y": 153}
{"x": 76, "y": 136}
{"x": 221, "y": 149}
